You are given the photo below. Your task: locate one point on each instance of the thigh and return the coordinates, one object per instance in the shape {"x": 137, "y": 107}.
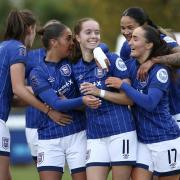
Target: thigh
{"x": 141, "y": 174}
{"x": 79, "y": 176}
{"x": 49, "y": 175}
{"x": 4, "y": 168}
{"x": 51, "y": 155}
{"x": 121, "y": 172}
{"x": 76, "y": 152}
{"x": 97, "y": 173}
{"x": 123, "y": 149}
{"x": 97, "y": 153}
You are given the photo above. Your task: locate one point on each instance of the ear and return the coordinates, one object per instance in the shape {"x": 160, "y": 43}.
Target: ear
{"x": 77, "y": 38}
{"x": 149, "y": 45}
{"x": 52, "y": 43}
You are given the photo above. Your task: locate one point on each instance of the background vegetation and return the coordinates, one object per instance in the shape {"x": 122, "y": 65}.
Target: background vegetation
{"x": 108, "y": 12}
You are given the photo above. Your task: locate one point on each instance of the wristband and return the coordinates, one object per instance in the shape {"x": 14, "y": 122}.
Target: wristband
{"x": 102, "y": 93}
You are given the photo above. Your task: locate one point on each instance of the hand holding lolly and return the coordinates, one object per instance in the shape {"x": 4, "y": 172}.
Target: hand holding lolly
{"x": 100, "y": 56}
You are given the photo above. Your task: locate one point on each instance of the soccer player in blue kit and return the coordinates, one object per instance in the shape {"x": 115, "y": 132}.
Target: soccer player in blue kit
{"x": 19, "y": 34}
{"x": 132, "y": 18}
{"x": 53, "y": 83}
{"x": 158, "y": 133}
{"x": 35, "y": 57}
{"x": 110, "y": 128}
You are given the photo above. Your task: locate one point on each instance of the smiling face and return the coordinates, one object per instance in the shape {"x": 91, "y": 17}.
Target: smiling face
{"x": 89, "y": 35}
{"x": 128, "y": 25}
{"x": 140, "y": 48}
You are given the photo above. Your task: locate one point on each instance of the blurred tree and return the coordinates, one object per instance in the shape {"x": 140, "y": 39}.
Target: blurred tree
{"x": 163, "y": 12}
{"x": 4, "y": 10}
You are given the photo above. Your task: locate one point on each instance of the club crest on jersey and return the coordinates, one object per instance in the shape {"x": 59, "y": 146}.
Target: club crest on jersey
{"x": 40, "y": 157}
{"x": 5, "y": 142}
{"x": 162, "y": 75}
{"x": 120, "y": 64}
{"x": 99, "y": 73}
{"x": 144, "y": 82}
{"x": 65, "y": 70}
{"x": 22, "y": 51}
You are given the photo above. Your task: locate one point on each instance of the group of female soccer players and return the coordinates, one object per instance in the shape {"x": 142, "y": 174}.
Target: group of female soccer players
{"x": 123, "y": 118}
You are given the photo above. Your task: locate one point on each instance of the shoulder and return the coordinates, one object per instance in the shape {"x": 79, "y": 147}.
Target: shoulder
{"x": 160, "y": 72}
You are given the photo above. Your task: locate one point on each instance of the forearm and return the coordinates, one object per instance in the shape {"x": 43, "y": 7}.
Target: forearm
{"x": 24, "y": 94}
{"x": 50, "y": 98}
{"x": 147, "y": 101}
{"x": 18, "y": 102}
{"x": 171, "y": 59}
{"x": 118, "y": 98}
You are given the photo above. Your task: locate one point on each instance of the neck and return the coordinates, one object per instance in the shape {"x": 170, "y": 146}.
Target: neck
{"x": 52, "y": 57}
{"x": 144, "y": 57}
{"x": 87, "y": 55}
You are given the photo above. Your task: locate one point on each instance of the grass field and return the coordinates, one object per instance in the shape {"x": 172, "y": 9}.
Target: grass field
{"x": 29, "y": 172}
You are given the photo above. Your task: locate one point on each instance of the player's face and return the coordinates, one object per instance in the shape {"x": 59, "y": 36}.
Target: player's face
{"x": 89, "y": 36}
{"x": 64, "y": 44}
{"x": 31, "y": 33}
{"x": 128, "y": 25}
{"x": 140, "y": 48}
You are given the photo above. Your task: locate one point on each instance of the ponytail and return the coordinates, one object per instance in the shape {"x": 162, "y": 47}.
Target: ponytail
{"x": 17, "y": 24}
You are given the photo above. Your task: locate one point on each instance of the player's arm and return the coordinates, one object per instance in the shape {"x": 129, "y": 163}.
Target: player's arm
{"x": 115, "y": 97}
{"x": 17, "y": 72}
{"x": 147, "y": 101}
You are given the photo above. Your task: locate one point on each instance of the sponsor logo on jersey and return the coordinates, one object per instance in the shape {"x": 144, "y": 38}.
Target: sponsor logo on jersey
{"x": 63, "y": 89}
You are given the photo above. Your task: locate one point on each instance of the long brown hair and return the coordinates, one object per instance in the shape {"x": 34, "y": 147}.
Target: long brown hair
{"x": 17, "y": 23}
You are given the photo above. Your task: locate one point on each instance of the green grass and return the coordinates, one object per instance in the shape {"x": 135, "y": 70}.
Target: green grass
{"x": 29, "y": 172}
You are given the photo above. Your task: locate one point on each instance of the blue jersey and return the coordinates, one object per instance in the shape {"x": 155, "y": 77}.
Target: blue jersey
{"x": 126, "y": 50}
{"x": 110, "y": 118}
{"x": 56, "y": 76}
{"x": 174, "y": 93}
{"x": 35, "y": 57}
{"x": 11, "y": 52}
{"x": 158, "y": 125}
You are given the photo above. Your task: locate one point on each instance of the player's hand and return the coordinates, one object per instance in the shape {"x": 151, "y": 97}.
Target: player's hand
{"x": 60, "y": 118}
{"x": 89, "y": 88}
{"x": 143, "y": 70}
{"x": 113, "y": 82}
{"x": 107, "y": 62}
{"x": 91, "y": 101}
